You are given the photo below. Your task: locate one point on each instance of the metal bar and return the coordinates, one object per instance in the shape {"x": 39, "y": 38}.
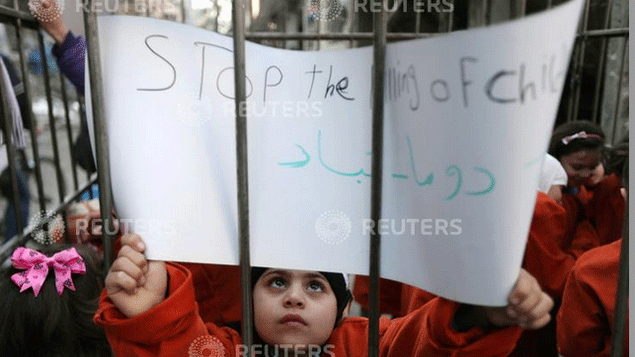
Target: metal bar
{"x": 30, "y": 118}
{"x": 217, "y": 8}
{"x": 183, "y": 11}
{"x": 82, "y": 114}
{"x": 486, "y": 12}
{"x": 379, "y": 63}
{"x": 68, "y": 131}
{"x": 70, "y": 146}
{"x": 7, "y": 248}
{"x": 601, "y": 66}
{"x": 616, "y": 111}
{"x": 451, "y": 18}
{"x": 101, "y": 134}
{"x": 604, "y": 33}
{"x": 621, "y": 300}
{"x": 523, "y": 8}
{"x": 238, "y": 20}
{"x": 445, "y": 21}
{"x": 549, "y": 4}
{"x": 417, "y": 18}
{"x": 393, "y": 11}
{"x": 5, "y": 115}
{"x": 11, "y": 14}
{"x": 576, "y": 76}
{"x": 61, "y": 190}
{"x": 257, "y": 36}
{"x": 354, "y": 24}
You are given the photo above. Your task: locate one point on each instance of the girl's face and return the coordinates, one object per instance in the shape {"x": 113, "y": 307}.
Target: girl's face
{"x": 580, "y": 166}
{"x": 294, "y": 307}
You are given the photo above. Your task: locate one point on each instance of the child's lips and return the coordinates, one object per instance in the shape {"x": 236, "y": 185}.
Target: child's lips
{"x": 292, "y": 320}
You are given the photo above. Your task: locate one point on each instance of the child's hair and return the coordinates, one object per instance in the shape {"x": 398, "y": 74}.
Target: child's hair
{"x": 575, "y": 136}
{"x": 50, "y": 325}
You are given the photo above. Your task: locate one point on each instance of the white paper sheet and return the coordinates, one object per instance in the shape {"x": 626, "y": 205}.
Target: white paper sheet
{"x": 468, "y": 116}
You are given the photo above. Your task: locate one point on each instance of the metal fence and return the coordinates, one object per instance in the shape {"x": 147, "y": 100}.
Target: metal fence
{"x": 597, "y": 89}
{"x": 52, "y": 114}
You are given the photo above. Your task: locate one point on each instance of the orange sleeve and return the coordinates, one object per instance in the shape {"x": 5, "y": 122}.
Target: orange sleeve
{"x": 413, "y": 298}
{"x": 428, "y": 332}
{"x": 169, "y": 329}
{"x": 218, "y": 292}
{"x": 581, "y": 328}
{"x": 389, "y": 295}
{"x": 585, "y": 319}
{"x": 606, "y": 209}
{"x": 545, "y": 257}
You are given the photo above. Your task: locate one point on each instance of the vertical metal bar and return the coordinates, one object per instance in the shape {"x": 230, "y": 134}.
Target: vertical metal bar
{"x": 82, "y": 114}
{"x": 549, "y": 4}
{"x": 217, "y": 8}
{"x": 417, "y": 18}
{"x": 379, "y": 63}
{"x": 486, "y": 12}
{"x": 5, "y": 115}
{"x": 576, "y": 75}
{"x": 516, "y": 10}
{"x": 70, "y": 148}
{"x": 601, "y": 65}
{"x": 618, "y": 99}
{"x": 238, "y": 20}
{"x": 354, "y": 22}
{"x": 101, "y": 134}
{"x": 183, "y": 12}
{"x": 445, "y": 21}
{"x": 69, "y": 132}
{"x": 621, "y": 300}
{"x": 451, "y": 17}
{"x": 30, "y": 117}
{"x": 61, "y": 190}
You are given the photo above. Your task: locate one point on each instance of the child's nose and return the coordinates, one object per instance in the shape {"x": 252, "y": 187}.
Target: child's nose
{"x": 294, "y": 298}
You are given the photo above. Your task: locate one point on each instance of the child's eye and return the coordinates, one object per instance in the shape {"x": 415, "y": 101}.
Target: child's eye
{"x": 277, "y": 283}
{"x": 315, "y": 286}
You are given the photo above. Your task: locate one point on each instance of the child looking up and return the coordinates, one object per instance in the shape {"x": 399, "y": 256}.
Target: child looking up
{"x": 148, "y": 309}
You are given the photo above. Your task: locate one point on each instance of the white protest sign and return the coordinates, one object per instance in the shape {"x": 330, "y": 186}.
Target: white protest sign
{"x": 467, "y": 121}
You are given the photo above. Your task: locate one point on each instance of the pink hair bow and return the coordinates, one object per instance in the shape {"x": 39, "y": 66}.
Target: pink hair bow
{"x": 37, "y": 265}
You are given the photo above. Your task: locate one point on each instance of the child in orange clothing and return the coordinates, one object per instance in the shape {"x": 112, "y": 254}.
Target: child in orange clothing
{"x": 595, "y": 198}
{"x": 297, "y": 313}
{"x": 587, "y": 315}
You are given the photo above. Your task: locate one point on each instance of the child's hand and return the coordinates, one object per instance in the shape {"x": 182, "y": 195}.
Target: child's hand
{"x": 135, "y": 284}
{"x": 528, "y": 306}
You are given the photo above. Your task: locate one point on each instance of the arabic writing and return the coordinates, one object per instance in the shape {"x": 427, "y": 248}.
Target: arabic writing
{"x": 452, "y": 171}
